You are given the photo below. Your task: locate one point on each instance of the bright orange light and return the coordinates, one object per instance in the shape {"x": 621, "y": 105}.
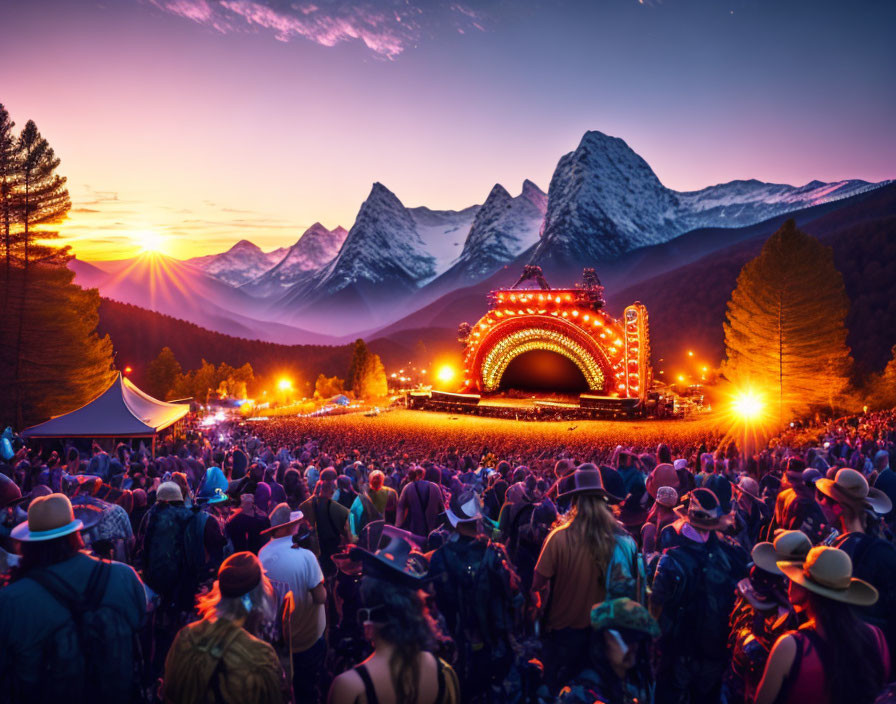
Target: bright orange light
{"x": 128, "y": 370}
{"x": 446, "y": 373}
{"x": 690, "y": 353}
{"x": 748, "y": 405}
{"x": 681, "y": 377}
{"x": 284, "y": 384}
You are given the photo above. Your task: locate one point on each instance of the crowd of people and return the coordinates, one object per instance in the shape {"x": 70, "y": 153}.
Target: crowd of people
{"x": 286, "y": 562}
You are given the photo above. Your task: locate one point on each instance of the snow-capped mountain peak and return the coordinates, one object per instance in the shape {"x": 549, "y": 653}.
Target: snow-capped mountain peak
{"x": 241, "y": 263}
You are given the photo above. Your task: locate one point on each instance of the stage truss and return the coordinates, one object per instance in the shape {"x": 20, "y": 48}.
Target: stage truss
{"x": 613, "y": 355}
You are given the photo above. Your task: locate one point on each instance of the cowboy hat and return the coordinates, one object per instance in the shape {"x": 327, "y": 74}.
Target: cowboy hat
{"x": 747, "y": 486}
{"x": 49, "y": 517}
{"x": 788, "y": 546}
{"x": 585, "y": 480}
{"x": 394, "y": 562}
{"x": 703, "y": 510}
{"x": 281, "y": 517}
{"x": 614, "y": 485}
{"x": 850, "y": 487}
{"x": 828, "y": 572}
{"x": 463, "y": 508}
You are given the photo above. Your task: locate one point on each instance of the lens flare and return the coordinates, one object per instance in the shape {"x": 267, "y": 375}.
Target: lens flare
{"x": 446, "y": 373}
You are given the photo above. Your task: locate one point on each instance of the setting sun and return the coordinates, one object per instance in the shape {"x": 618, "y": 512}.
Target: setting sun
{"x": 150, "y": 241}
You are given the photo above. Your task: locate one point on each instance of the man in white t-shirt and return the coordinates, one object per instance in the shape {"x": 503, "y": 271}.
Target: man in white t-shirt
{"x": 307, "y": 619}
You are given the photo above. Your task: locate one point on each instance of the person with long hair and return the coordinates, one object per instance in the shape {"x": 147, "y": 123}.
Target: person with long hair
{"x": 587, "y": 557}
{"x": 402, "y": 668}
{"x": 835, "y": 657}
{"x": 217, "y": 659}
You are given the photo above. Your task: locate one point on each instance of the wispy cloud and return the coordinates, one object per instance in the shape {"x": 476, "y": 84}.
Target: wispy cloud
{"x": 386, "y": 27}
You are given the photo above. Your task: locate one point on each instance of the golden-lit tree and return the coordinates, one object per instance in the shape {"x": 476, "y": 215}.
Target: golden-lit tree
{"x": 52, "y": 360}
{"x": 9, "y": 172}
{"x": 162, "y": 374}
{"x": 881, "y": 388}
{"x": 328, "y": 386}
{"x": 785, "y": 330}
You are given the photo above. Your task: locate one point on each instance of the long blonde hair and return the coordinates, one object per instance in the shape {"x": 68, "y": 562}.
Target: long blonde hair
{"x": 591, "y": 525}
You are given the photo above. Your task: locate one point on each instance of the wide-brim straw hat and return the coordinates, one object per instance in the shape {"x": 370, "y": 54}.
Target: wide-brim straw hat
{"x": 828, "y": 572}
{"x": 49, "y": 517}
{"x": 788, "y": 546}
{"x": 850, "y": 487}
{"x": 282, "y": 517}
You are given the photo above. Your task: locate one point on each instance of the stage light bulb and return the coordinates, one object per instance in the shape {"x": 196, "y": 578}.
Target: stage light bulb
{"x": 446, "y": 373}
{"x": 284, "y": 384}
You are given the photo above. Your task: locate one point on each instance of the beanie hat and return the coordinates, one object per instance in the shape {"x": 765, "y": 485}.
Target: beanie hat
{"x": 239, "y": 574}
{"x": 169, "y": 491}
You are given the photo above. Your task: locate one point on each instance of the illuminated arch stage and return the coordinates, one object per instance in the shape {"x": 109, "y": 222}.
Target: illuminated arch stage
{"x": 553, "y": 341}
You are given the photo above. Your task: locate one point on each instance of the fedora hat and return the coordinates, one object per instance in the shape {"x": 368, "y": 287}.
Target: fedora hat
{"x": 463, "y": 508}
{"x": 703, "y": 510}
{"x": 747, "y": 486}
{"x": 397, "y": 562}
{"x": 662, "y": 475}
{"x": 828, "y": 572}
{"x": 281, "y": 517}
{"x": 49, "y": 517}
{"x": 585, "y": 480}
{"x": 850, "y": 487}
{"x": 788, "y": 546}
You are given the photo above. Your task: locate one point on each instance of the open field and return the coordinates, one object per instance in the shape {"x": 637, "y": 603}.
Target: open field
{"x": 423, "y": 434}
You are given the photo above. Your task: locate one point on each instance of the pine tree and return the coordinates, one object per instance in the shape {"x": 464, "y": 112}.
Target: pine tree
{"x": 359, "y": 360}
{"x": 162, "y": 374}
{"x": 9, "y": 168}
{"x": 785, "y": 329}
{"x": 52, "y": 359}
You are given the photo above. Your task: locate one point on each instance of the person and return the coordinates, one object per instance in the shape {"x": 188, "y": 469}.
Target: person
{"x": 751, "y": 511}
{"x": 587, "y": 557}
{"x": 661, "y": 514}
{"x": 67, "y": 620}
{"x": 476, "y": 592}
{"x": 216, "y": 660}
{"x": 420, "y": 505}
{"x": 618, "y": 656}
{"x": 834, "y": 658}
{"x": 305, "y": 615}
{"x": 383, "y": 497}
{"x": 885, "y": 481}
{"x": 796, "y": 507}
{"x": 692, "y": 599}
{"x": 402, "y": 668}
{"x": 848, "y": 500}
{"x": 246, "y": 525}
{"x": 328, "y": 519}
{"x": 761, "y": 612}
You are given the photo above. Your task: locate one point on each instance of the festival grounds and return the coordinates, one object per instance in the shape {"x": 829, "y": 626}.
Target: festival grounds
{"x": 432, "y": 433}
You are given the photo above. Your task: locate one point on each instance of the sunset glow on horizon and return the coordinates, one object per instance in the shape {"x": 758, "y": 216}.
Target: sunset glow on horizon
{"x": 211, "y": 127}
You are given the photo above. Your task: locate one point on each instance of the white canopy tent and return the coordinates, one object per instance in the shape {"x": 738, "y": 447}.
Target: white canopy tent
{"x": 121, "y": 411}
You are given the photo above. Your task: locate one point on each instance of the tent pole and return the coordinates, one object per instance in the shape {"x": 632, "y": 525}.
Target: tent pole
{"x": 153, "y": 445}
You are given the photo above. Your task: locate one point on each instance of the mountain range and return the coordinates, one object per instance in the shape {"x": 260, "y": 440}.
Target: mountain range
{"x": 399, "y": 267}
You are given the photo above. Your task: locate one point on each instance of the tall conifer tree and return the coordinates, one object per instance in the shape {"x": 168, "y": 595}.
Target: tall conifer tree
{"x": 785, "y": 329}
{"x": 52, "y": 359}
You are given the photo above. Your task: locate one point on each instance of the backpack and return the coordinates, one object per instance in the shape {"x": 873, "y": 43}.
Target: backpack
{"x": 531, "y": 534}
{"x": 165, "y": 558}
{"x": 194, "y": 546}
{"x": 695, "y": 619}
{"x": 82, "y": 656}
{"x": 480, "y": 587}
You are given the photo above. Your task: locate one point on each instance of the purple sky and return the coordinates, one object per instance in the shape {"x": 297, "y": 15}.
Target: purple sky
{"x": 203, "y": 121}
